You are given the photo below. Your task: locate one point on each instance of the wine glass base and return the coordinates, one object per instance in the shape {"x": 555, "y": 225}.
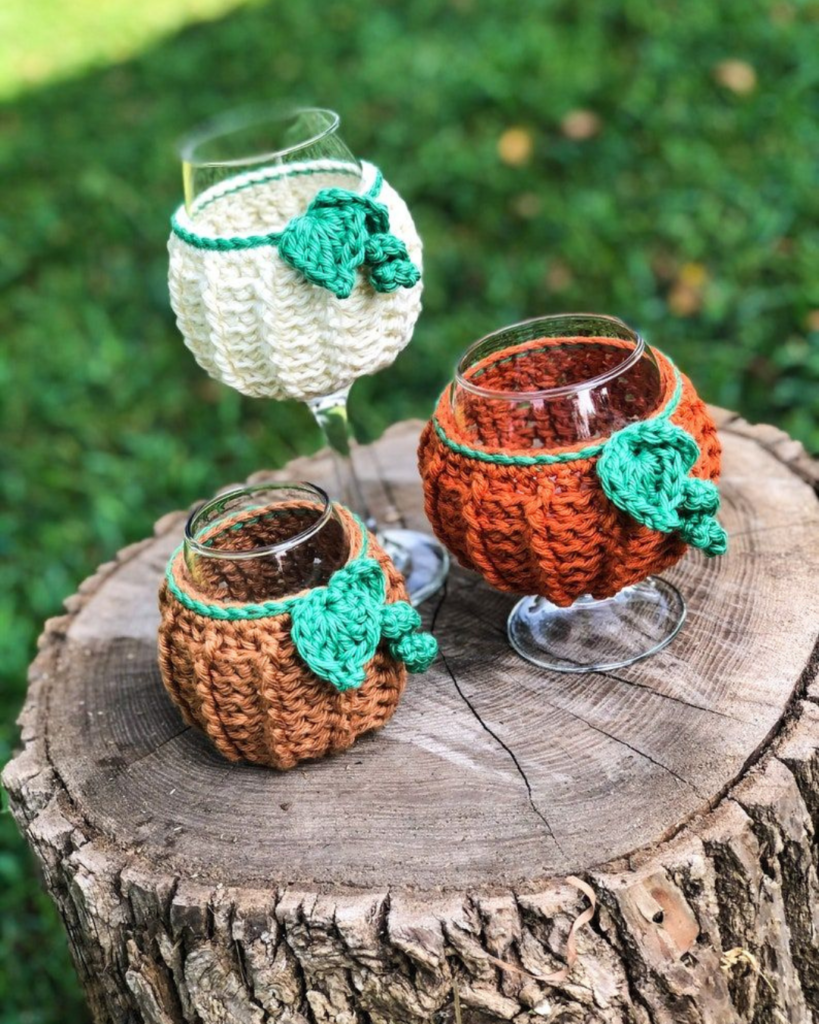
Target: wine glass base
{"x": 420, "y": 558}
{"x": 596, "y": 636}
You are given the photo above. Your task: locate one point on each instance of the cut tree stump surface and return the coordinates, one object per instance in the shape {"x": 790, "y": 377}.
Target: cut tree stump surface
{"x": 492, "y": 771}
{"x": 493, "y": 782}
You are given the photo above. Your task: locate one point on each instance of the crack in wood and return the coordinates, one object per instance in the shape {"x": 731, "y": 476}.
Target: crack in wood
{"x": 155, "y": 750}
{"x": 631, "y": 969}
{"x": 634, "y": 971}
{"x": 668, "y": 696}
{"x": 629, "y": 746}
{"x": 239, "y": 954}
{"x": 505, "y": 747}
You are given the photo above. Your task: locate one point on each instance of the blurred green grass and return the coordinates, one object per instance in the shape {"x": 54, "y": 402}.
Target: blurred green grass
{"x": 684, "y": 199}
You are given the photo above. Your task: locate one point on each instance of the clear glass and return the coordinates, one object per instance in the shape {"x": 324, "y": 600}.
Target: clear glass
{"x": 254, "y": 141}
{"x": 264, "y": 543}
{"x": 510, "y": 392}
{"x": 580, "y": 393}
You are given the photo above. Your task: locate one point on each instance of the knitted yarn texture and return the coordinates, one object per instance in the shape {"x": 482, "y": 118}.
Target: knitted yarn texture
{"x": 644, "y": 470}
{"x": 282, "y": 681}
{"x": 286, "y": 285}
{"x": 337, "y": 629}
{"x": 340, "y": 232}
{"x": 572, "y": 518}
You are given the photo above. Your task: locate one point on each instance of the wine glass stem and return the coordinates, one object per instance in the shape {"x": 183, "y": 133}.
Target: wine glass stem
{"x": 330, "y": 412}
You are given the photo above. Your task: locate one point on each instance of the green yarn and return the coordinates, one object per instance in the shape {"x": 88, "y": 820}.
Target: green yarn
{"x": 336, "y": 628}
{"x": 216, "y": 243}
{"x": 340, "y": 231}
{"x": 644, "y": 471}
{"x": 547, "y": 458}
{"x": 222, "y": 244}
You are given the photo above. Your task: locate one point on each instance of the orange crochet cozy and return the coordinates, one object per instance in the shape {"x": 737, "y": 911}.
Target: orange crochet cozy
{"x": 244, "y": 684}
{"x": 537, "y": 520}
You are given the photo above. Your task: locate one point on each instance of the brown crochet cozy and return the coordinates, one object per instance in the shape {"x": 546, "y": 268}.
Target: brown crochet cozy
{"x": 547, "y": 528}
{"x": 243, "y": 683}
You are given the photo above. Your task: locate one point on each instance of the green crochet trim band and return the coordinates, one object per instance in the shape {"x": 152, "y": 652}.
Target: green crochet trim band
{"x": 546, "y": 458}
{"x": 643, "y": 470}
{"x": 217, "y": 243}
{"x": 339, "y": 232}
{"x": 235, "y": 612}
{"x": 338, "y": 628}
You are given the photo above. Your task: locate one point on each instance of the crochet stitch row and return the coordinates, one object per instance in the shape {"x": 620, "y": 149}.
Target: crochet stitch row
{"x": 340, "y": 231}
{"x": 335, "y": 299}
{"x": 337, "y": 627}
{"x": 182, "y": 226}
{"x": 579, "y": 518}
{"x": 547, "y": 458}
{"x": 259, "y": 688}
{"x": 233, "y": 612}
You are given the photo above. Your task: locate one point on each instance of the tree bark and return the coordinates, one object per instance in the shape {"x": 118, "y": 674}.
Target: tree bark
{"x": 425, "y": 875}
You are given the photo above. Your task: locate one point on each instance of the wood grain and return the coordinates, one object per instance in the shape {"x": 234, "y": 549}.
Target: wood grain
{"x": 363, "y": 888}
{"x": 509, "y": 773}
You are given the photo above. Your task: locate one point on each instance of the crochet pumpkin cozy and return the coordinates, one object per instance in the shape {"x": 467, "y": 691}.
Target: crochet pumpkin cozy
{"x": 565, "y": 519}
{"x": 280, "y": 682}
{"x": 287, "y": 286}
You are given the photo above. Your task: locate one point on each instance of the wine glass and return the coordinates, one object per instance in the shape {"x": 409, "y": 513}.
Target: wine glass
{"x": 295, "y": 269}
{"x": 264, "y": 543}
{"x": 284, "y": 630}
{"x": 524, "y": 482}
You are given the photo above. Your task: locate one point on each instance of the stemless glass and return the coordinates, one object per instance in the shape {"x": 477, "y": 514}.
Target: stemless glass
{"x": 253, "y": 323}
{"x": 284, "y": 633}
{"x": 264, "y": 543}
{"x": 550, "y": 385}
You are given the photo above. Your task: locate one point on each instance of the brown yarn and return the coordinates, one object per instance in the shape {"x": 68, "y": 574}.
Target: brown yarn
{"x": 243, "y": 683}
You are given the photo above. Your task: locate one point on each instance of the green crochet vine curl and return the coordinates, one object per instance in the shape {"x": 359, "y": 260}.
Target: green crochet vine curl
{"x": 338, "y": 628}
{"x": 339, "y": 232}
{"x": 644, "y": 469}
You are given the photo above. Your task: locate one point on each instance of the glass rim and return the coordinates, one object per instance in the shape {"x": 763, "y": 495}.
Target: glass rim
{"x": 192, "y": 544}
{"x": 630, "y": 360}
{"x": 246, "y": 116}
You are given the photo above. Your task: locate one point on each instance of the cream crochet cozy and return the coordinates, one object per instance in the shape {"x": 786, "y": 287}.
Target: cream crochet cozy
{"x": 255, "y": 322}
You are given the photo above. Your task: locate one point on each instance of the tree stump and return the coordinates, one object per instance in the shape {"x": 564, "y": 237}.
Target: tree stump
{"x": 422, "y": 876}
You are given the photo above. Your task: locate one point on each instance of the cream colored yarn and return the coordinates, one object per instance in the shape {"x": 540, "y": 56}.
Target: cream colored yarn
{"x": 253, "y": 322}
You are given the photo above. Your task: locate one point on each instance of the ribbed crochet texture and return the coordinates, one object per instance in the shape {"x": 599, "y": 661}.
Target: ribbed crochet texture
{"x": 571, "y": 519}
{"x": 340, "y": 232}
{"x": 286, "y": 285}
{"x": 280, "y": 682}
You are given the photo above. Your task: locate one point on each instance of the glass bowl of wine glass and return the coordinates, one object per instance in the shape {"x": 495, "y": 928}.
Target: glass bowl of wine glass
{"x": 570, "y": 462}
{"x": 285, "y": 630}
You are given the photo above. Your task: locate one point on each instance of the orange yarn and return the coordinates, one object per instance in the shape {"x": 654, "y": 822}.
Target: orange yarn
{"x": 244, "y": 685}
{"x": 548, "y": 528}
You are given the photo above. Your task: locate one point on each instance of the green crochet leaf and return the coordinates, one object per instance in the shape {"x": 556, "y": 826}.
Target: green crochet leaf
{"x": 337, "y": 629}
{"x": 644, "y": 470}
{"x": 341, "y": 231}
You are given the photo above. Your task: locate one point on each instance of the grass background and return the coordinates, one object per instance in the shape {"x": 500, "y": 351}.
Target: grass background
{"x": 656, "y": 160}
